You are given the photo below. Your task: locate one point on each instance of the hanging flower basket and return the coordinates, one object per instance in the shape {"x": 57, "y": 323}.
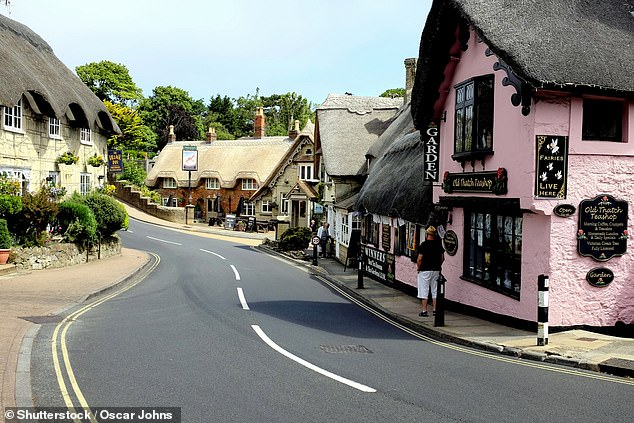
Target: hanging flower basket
{"x": 68, "y": 158}
{"x": 96, "y": 160}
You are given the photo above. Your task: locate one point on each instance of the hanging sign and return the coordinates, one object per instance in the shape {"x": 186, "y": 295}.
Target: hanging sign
{"x": 432, "y": 154}
{"x": 551, "y": 166}
{"x": 115, "y": 161}
{"x": 190, "y": 158}
{"x": 602, "y": 232}
{"x": 450, "y": 242}
{"x": 600, "y": 277}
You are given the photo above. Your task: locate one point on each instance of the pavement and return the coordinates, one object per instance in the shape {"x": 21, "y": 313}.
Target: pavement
{"x": 29, "y": 298}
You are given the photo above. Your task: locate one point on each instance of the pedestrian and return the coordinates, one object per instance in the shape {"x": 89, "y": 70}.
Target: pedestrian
{"x": 323, "y": 234}
{"x": 431, "y": 255}
{"x": 313, "y": 226}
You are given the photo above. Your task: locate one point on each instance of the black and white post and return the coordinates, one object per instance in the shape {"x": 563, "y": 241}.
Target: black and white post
{"x": 542, "y": 310}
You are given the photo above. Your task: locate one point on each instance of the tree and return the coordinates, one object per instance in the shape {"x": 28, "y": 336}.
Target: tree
{"x": 173, "y": 106}
{"x": 135, "y": 135}
{"x": 282, "y": 110}
{"x": 110, "y": 81}
{"x": 393, "y": 93}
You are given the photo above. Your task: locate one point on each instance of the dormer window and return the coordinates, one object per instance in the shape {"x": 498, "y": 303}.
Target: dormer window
{"x": 602, "y": 120}
{"x": 249, "y": 184}
{"x": 473, "y": 126}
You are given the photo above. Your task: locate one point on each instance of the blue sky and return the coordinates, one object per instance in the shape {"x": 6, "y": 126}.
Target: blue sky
{"x": 232, "y": 47}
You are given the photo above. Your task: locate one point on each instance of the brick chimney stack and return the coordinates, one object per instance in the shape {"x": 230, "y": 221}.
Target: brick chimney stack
{"x": 211, "y": 135}
{"x": 259, "y": 126}
{"x": 171, "y": 137}
{"x": 410, "y": 76}
{"x": 293, "y": 133}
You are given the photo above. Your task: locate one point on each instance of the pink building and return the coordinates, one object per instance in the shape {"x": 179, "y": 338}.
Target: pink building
{"x": 536, "y": 155}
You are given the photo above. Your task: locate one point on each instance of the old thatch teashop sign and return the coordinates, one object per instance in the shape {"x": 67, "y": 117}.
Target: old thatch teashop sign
{"x": 486, "y": 182}
{"x": 551, "y": 167}
{"x": 602, "y": 230}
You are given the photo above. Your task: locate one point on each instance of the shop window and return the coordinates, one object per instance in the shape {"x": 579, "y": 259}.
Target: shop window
{"x": 370, "y": 231}
{"x": 602, "y": 120}
{"x": 13, "y": 117}
{"x": 344, "y": 229}
{"x": 473, "y": 126}
{"x": 493, "y": 251}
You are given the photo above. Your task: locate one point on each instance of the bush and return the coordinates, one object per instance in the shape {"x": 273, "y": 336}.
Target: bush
{"x": 30, "y": 223}
{"x": 109, "y": 213}
{"x": 10, "y": 204}
{"x": 295, "y": 239}
{"x": 76, "y": 222}
{"x": 5, "y": 236}
{"x": 133, "y": 173}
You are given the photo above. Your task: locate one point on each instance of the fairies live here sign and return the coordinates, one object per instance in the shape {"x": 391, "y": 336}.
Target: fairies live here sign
{"x": 602, "y": 230}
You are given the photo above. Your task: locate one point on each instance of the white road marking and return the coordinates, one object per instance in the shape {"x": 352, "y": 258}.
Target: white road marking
{"x": 235, "y": 271}
{"x": 310, "y": 366}
{"x": 162, "y": 240}
{"x": 215, "y": 254}
{"x": 243, "y": 300}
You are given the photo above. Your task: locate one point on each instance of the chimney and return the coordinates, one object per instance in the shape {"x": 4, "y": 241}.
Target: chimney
{"x": 259, "y": 127}
{"x": 293, "y": 133}
{"x": 211, "y": 135}
{"x": 410, "y": 76}
{"x": 171, "y": 137}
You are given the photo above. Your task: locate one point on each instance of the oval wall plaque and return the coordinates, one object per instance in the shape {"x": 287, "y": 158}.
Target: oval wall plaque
{"x": 565, "y": 210}
{"x": 450, "y": 242}
{"x": 600, "y": 277}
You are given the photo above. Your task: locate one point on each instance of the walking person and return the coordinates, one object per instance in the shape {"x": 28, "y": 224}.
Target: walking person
{"x": 323, "y": 234}
{"x": 431, "y": 255}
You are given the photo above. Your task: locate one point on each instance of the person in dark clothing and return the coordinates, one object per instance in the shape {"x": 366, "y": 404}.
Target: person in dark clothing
{"x": 431, "y": 255}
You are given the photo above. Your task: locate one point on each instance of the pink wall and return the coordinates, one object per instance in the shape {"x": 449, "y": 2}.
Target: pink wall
{"x": 549, "y": 242}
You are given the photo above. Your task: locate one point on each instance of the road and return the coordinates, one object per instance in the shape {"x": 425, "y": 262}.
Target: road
{"x": 231, "y": 334}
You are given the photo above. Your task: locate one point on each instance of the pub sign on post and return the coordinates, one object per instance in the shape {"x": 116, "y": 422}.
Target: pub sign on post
{"x": 190, "y": 158}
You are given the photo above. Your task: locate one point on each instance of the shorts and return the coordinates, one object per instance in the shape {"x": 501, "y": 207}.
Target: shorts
{"x": 427, "y": 279}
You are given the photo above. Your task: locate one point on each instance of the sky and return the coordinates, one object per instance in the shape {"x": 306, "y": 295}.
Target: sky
{"x": 233, "y": 47}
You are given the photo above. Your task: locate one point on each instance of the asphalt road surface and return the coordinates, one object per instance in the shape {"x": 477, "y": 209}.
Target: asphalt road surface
{"x": 228, "y": 333}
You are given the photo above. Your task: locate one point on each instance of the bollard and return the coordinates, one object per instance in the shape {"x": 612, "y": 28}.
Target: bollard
{"x": 360, "y": 273}
{"x": 439, "y": 319}
{"x": 314, "y": 255}
{"x": 542, "y": 310}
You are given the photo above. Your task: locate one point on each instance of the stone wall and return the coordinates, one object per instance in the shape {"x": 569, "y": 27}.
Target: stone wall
{"x": 59, "y": 254}
{"x": 128, "y": 194}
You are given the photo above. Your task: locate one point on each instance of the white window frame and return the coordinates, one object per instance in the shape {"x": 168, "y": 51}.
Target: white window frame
{"x": 169, "y": 183}
{"x": 12, "y": 117}
{"x": 84, "y": 183}
{"x": 54, "y": 128}
{"x": 306, "y": 172}
{"x": 248, "y": 209}
{"x": 85, "y": 136}
{"x": 266, "y": 207}
{"x": 249, "y": 184}
{"x": 343, "y": 231}
{"x": 212, "y": 183}
{"x": 283, "y": 204}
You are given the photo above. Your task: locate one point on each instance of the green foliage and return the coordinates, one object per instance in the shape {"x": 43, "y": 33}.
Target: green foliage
{"x": 173, "y": 106}
{"x": 9, "y": 186}
{"x": 5, "y": 236}
{"x": 30, "y": 223}
{"x": 96, "y": 160}
{"x": 109, "y": 213}
{"x": 154, "y": 196}
{"x": 133, "y": 173}
{"x": 282, "y": 110}
{"x": 110, "y": 81}
{"x": 76, "y": 222}
{"x": 10, "y": 204}
{"x": 135, "y": 135}
{"x": 393, "y": 93}
{"x": 296, "y": 238}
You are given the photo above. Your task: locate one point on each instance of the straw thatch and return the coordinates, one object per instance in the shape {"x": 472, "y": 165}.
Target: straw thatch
{"x": 30, "y": 68}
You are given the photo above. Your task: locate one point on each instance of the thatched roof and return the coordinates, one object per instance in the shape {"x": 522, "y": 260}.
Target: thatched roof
{"x": 572, "y": 45}
{"x": 394, "y": 186}
{"x": 347, "y": 126}
{"x": 30, "y": 68}
{"x": 226, "y": 160}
